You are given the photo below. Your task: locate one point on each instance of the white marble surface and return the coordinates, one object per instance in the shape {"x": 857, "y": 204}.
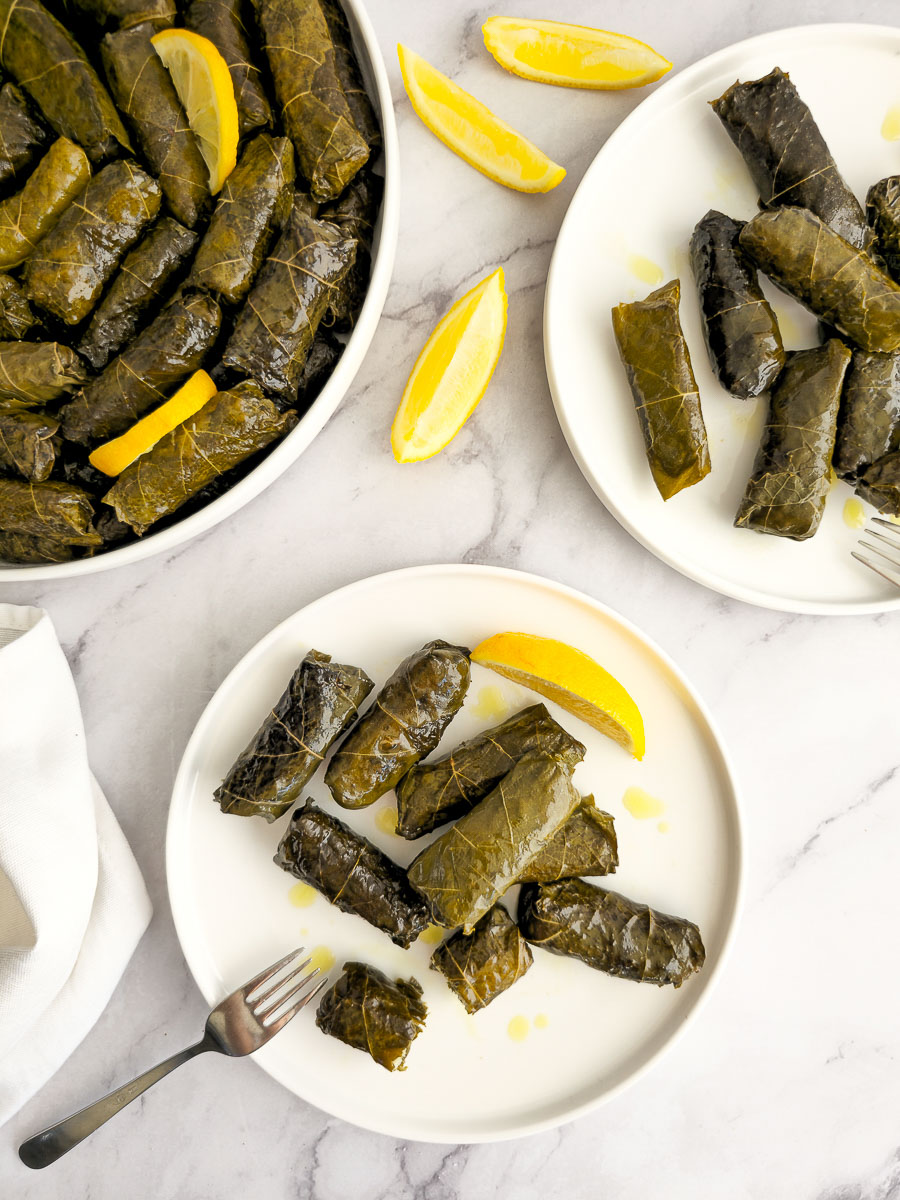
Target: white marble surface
{"x": 789, "y": 1084}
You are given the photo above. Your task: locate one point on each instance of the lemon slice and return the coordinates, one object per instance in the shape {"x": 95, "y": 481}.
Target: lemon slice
{"x": 452, "y": 372}
{"x": 571, "y": 55}
{"x": 203, "y": 83}
{"x": 569, "y": 678}
{"x": 472, "y": 131}
{"x": 113, "y": 457}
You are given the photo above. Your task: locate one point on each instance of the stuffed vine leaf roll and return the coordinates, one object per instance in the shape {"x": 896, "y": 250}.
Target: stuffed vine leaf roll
{"x": 31, "y": 551}
{"x": 60, "y": 176}
{"x": 47, "y": 510}
{"x": 869, "y": 417}
{"x": 480, "y": 965}
{"x": 52, "y": 68}
{"x": 323, "y": 357}
{"x": 791, "y": 476}
{"x": 469, "y": 867}
{"x": 229, "y": 428}
{"x": 226, "y": 25}
{"x": 27, "y": 445}
{"x": 404, "y": 724}
{"x": 121, "y": 14}
{"x": 657, "y": 363}
{"x": 585, "y": 845}
{"x": 22, "y": 137}
{"x": 16, "y": 317}
{"x": 841, "y": 285}
{"x": 355, "y": 213}
{"x": 787, "y": 155}
{"x": 162, "y": 355}
{"x": 34, "y": 373}
{"x": 321, "y": 700}
{"x": 138, "y": 285}
{"x": 883, "y": 213}
{"x": 348, "y": 73}
{"x": 609, "y": 932}
{"x": 368, "y": 1011}
{"x": 314, "y": 108}
{"x": 352, "y": 873}
{"x": 254, "y": 204}
{"x": 879, "y": 484}
{"x": 433, "y": 793}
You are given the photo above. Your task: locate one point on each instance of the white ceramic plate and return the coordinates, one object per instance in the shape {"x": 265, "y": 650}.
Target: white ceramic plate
{"x": 467, "y": 1080}
{"x": 665, "y": 165}
{"x": 291, "y": 447}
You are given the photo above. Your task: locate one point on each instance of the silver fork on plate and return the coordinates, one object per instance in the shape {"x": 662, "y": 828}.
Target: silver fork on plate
{"x": 888, "y": 550}
{"x": 242, "y": 1023}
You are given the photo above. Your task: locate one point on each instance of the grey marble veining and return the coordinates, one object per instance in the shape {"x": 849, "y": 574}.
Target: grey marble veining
{"x": 789, "y": 1084}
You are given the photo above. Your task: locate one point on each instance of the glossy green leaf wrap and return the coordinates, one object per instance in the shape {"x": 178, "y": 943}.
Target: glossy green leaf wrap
{"x": 869, "y": 417}
{"x": 69, "y": 268}
{"x": 879, "y": 484}
{"x": 467, "y": 869}
{"x": 60, "y": 176}
{"x": 585, "y": 845}
{"x": 348, "y": 73}
{"x": 790, "y": 483}
{"x": 368, "y": 1011}
{"x": 787, "y": 155}
{"x": 162, "y": 356}
{"x": 406, "y": 722}
{"x": 16, "y": 317}
{"x": 253, "y": 205}
{"x": 352, "y": 873}
{"x": 355, "y": 213}
{"x": 480, "y": 965}
{"x": 883, "y": 213}
{"x": 658, "y": 365}
{"x": 609, "y": 932}
{"x": 229, "y": 27}
{"x": 27, "y": 445}
{"x": 48, "y": 63}
{"x": 143, "y": 90}
{"x": 22, "y": 137}
{"x": 433, "y": 793}
{"x": 321, "y": 700}
{"x": 122, "y": 14}
{"x": 314, "y": 108}
{"x": 324, "y": 355}
{"x": 742, "y": 336}
{"x": 276, "y": 327}
{"x": 34, "y": 373}
{"x": 841, "y": 285}
{"x": 229, "y": 428}
{"x": 47, "y": 510}
{"x": 138, "y": 286}
{"x": 31, "y": 551}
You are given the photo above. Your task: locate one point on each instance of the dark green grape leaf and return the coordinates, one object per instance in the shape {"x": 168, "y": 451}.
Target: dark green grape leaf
{"x": 478, "y": 966}
{"x": 355, "y": 213}
{"x": 22, "y": 137}
{"x": 585, "y": 845}
{"x": 348, "y": 73}
{"x": 883, "y": 213}
{"x": 368, "y": 1011}
{"x": 27, "y": 443}
{"x": 34, "y": 373}
{"x": 60, "y": 176}
{"x": 16, "y": 317}
{"x": 230, "y": 29}
{"x": 122, "y": 14}
{"x": 47, "y": 510}
{"x": 869, "y": 416}
{"x": 879, "y": 484}
{"x": 32, "y": 551}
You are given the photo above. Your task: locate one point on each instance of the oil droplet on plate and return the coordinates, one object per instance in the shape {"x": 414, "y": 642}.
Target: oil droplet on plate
{"x": 518, "y": 1028}
{"x": 663, "y": 826}
{"x": 386, "y": 819}
{"x": 541, "y": 1021}
{"x": 431, "y": 935}
{"x": 322, "y": 958}
{"x": 641, "y": 804}
{"x": 645, "y": 269}
{"x": 490, "y": 703}
{"x": 890, "y": 126}
{"x": 302, "y": 895}
{"x": 854, "y": 513}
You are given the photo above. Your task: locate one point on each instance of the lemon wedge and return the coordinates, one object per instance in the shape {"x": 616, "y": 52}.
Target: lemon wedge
{"x": 452, "y": 372}
{"x": 472, "y": 131}
{"x": 571, "y": 55}
{"x": 203, "y": 83}
{"x": 113, "y": 457}
{"x": 571, "y": 679}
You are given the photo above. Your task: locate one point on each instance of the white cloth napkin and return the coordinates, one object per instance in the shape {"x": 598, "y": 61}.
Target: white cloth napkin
{"x": 73, "y": 905}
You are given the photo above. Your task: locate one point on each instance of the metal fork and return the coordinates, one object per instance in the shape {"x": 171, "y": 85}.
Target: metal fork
{"x": 888, "y": 550}
{"x": 239, "y": 1025}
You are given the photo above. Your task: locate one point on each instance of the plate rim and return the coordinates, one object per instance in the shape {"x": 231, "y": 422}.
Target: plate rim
{"x": 641, "y": 113}
{"x": 457, "y": 1135}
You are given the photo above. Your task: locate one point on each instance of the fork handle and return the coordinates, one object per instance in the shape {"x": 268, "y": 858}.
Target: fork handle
{"x": 52, "y": 1143}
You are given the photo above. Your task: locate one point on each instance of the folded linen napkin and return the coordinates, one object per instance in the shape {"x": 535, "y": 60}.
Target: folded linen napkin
{"x": 73, "y": 905}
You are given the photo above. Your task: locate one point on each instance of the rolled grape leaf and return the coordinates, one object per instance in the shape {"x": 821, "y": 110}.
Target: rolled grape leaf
{"x": 355, "y": 214}
{"x": 742, "y": 335}
{"x": 32, "y": 551}
{"x": 791, "y": 476}
{"x": 879, "y": 484}
{"x": 869, "y": 417}
{"x": 368, "y": 1011}
{"x": 841, "y": 285}
{"x": 469, "y": 868}
{"x": 786, "y": 154}
{"x": 276, "y": 327}
{"x": 229, "y": 428}
{"x": 34, "y": 373}
{"x": 254, "y": 204}
{"x": 139, "y": 284}
{"x": 585, "y": 845}
{"x": 323, "y": 357}
{"x": 229, "y": 28}
{"x": 121, "y": 14}
{"x": 22, "y": 137}
{"x": 144, "y": 91}
{"x": 609, "y": 932}
{"x": 321, "y": 700}
{"x": 883, "y": 213}
{"x": 60, "y": 176}
{"x": 433, "y": 793}
{"x": 47, "y": 510}
{"x": 162, "y": 356}
{"x": 348, "y": 73}
{"x": 404, "y": 724}
{"x": 314, "y": 108}
{"x": 16, "y": 317}
{"x": 657, "y": 363}
{"x": 27, "y": 444}
{"x": 480, "y": 965}
{"x": 352, "y": 874}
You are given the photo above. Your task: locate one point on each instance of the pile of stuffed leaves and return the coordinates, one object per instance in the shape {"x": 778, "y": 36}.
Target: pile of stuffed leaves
{"x": 372, "y": 1013}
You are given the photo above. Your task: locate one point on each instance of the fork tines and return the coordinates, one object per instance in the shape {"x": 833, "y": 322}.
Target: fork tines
{"x": 266, "y": 1007}
{"x": 888, "y": 550}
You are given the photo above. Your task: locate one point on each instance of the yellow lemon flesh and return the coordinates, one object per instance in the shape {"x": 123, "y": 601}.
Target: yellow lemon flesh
{"x": 473, "y": 132}
{"x": 571, "y": 55}
{"x": 451, "y": 373}
{"x": 571, "y": 679}
{"x": 113, "y": 457}
{"x": 203, "y": 83}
